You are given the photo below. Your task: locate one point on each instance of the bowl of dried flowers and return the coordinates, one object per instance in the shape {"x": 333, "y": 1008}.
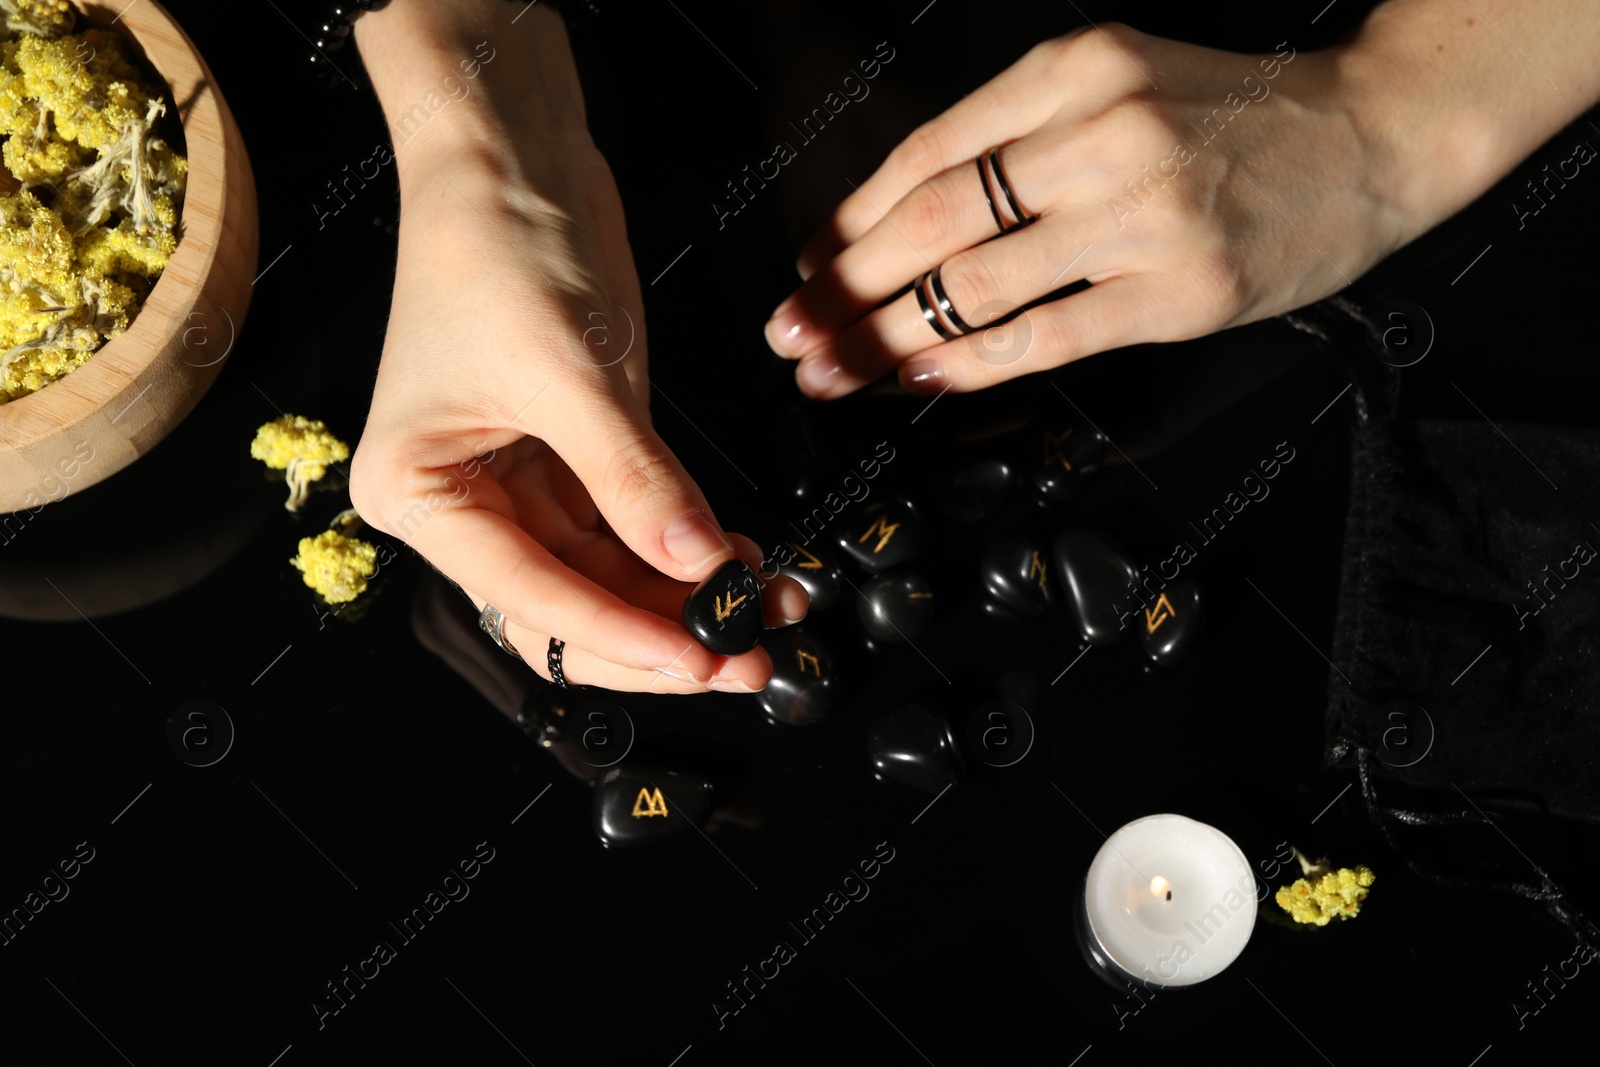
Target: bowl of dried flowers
{"x": 128, "y": 233}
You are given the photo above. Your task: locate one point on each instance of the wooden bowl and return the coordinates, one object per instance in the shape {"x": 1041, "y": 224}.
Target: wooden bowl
{"x": 126, "y": 397}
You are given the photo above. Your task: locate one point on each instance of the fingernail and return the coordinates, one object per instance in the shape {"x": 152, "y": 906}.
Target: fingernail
{"x": 817, "y": 375}
{"x": 730, "y": 685}
{"x": 783, "y": 332}
{"x": 787, "y": 621}
{"x": 923, "y": 378}
{"x": 681, "y": 675}
{"x": 693, "y": 541}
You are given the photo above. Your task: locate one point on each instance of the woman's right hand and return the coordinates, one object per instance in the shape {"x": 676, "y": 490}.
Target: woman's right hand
{"x": 1190, "y": 190}
{"x": 508, "y": 442}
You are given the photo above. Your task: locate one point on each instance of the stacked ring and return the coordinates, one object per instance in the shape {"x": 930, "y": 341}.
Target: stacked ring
{"x": 1023, "y": 218}
{"x": 932, "y": 317}
{"x": 951, "y": 325}
{"x": 942, "y": 299}
{"x": 999, "y": 178}
{"x": 988, "y": 197}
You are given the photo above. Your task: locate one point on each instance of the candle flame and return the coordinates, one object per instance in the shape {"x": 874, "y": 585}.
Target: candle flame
{"x": 1160, "y": 887}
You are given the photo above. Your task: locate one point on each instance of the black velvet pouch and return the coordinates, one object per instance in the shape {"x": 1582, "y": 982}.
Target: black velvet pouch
{"x": 1466, "y": 652}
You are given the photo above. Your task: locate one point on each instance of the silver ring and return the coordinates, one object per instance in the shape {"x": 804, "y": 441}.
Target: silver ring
{"x": 928, "y": 313}
{"x": 492, "y": 621}
{"x": 988, "y": 195}
{"x": 998, "y": 171}
{"x": 952, "y": 325}
{"x": 942, "y": 299}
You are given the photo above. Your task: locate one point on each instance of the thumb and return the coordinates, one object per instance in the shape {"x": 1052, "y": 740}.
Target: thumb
{"x": 646, "y": 495}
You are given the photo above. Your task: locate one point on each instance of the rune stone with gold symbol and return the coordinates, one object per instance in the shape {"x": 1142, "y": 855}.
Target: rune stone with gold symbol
{"x": 724, "y": 611}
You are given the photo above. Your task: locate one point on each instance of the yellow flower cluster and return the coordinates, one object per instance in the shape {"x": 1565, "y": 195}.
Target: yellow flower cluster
{"x": 1337, "y": 893}
{"x": 335, "y": 565}
{"x": 46, "y": 17}
{"x": 300, "y": 447}
{"x": 91, "y": 206}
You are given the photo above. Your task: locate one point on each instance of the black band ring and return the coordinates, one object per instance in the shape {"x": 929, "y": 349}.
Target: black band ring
{"x": 942, "y": 298}
{"x": 553, "y": 659}
{"x": 1005, "y": 187}
{"x": 928, "y": 313}
{"x": 988, "y": 197}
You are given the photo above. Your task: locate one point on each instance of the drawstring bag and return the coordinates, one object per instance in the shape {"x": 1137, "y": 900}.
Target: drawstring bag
{"x": 1465, "y": 689}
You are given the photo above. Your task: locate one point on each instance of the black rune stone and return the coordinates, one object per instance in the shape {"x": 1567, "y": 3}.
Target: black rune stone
{"x": 633, "y": 806}
{"x": 1168, "y": 626}
{"x": 1065, "y": 454}
{"x": 724, "y": 611}
{"x": 815, "y": 568}
{"x": 914, "y": 746}
{"x": 805, "y": 680}
{"x": 1016, "y": 573}
{"x": 1095, "y": 578}
{"x": 896, "y": 607}
{"x": 974, "y": 489}
{"x": 883, "y": 534}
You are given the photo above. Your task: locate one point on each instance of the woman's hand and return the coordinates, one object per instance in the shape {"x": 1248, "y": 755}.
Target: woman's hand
{"x": 509, "y": 439}
{"x": 1194, "y": 189}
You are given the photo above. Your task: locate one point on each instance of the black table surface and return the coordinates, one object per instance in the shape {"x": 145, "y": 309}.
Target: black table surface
{"x": 365, "y": 754}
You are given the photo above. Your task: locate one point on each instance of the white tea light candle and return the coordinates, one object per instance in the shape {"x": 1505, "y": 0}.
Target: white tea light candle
{"x": 1168, "y": 901}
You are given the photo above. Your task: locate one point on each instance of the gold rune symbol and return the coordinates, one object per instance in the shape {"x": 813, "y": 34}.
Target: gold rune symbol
{"x": 919, "y": 596}
{"x": 653, "y": 803}
{"x": 884, "y": 528}
{"x": 1037, "y": 567}
{"x": 812, "y": 563}
{"x": 725, "y": 606}
{"x": 1155, "y": 616}
{"x": 802, "y": 656}
{"x": 1060, "y": 454}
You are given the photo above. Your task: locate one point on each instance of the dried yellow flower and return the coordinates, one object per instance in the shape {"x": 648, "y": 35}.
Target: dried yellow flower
{"x": 1337, "y": 893}
{"x": 300, "y": 447}
{"x": 94, "y": 221}
{"x": 38, "y": 16}
{"x": 335, "y": 565}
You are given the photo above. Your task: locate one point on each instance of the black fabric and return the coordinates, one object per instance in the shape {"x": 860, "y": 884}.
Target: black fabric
{"x": 1470, "y": 586}
{"x": 1468, "y": 541}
